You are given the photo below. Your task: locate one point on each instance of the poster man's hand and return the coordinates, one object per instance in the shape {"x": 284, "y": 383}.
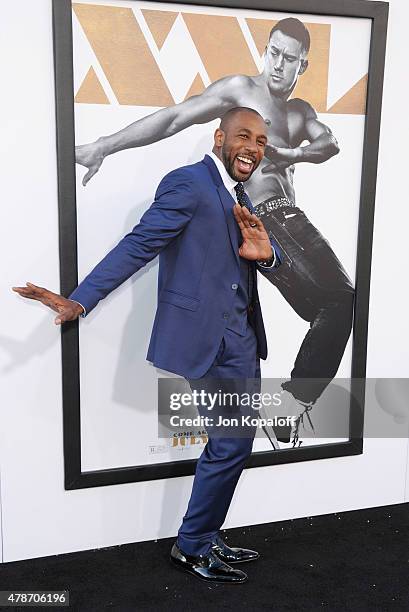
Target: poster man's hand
{"x": 280, "y": 157}
{"x": 256, "y": 243}
{"x": 91, "y": 156}
{"x": 68, "y": 310}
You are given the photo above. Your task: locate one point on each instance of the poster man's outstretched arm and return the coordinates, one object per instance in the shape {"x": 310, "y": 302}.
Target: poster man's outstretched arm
{"x": 218, "y": 98}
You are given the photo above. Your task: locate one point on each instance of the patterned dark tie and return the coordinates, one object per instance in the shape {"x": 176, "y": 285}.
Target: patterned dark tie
{"x": 242, "y": 197}
{"x": 244, "y": 200}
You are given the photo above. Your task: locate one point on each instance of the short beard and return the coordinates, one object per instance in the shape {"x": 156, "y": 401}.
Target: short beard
{"x": 229, "y": 166}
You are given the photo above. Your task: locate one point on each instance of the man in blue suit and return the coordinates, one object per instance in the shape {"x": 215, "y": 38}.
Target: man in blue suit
{"x": 208, "y": 323}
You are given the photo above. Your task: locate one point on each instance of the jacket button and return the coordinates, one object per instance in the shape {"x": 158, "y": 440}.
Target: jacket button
{"x": 225, "y": 315}
{"x": 234, "y": 286}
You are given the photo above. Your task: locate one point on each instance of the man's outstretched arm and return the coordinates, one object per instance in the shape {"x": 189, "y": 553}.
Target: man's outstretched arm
{"x": 211, "y": 104}
{"x": 175, "y": 203}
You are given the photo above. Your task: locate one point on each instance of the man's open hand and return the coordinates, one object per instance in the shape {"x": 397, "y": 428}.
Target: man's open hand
{"x": 91, "y": 156}
{"x": 256, "y": 243}
{"x": 68, "y": 310}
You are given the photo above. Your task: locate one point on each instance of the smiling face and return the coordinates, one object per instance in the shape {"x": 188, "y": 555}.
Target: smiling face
{"x": 241, "y": 144}
{"x": 284, "y": 62}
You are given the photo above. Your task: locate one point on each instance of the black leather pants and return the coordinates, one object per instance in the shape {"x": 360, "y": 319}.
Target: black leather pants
{"x": 315, "y": 284}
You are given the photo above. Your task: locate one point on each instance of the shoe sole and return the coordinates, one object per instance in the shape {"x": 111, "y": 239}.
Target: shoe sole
{"x": 213, "y": 581}
{"x": 237, "y": 562}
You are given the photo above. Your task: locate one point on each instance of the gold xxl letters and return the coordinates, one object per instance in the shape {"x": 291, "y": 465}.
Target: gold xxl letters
{"x": 134, "y": 76}
{"x": 125, "y": 58}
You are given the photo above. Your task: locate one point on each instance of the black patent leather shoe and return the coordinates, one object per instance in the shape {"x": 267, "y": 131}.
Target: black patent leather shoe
{"x": 232, "y": 555}
{"x": 207, "y": 567}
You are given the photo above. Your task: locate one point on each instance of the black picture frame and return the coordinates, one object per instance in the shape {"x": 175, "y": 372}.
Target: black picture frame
{"x": 75, "y": 478}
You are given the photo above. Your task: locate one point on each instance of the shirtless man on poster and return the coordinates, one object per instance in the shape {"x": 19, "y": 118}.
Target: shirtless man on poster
{"x": 311, "y": 279}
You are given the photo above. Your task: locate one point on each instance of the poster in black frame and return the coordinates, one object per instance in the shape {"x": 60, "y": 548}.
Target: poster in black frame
{"x": 75, "y": 478}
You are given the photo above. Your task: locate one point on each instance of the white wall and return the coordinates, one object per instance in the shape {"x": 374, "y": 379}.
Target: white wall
{"x": 38, "y": 516}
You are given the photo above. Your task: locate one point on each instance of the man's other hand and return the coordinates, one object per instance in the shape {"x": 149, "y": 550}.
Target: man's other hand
{"x": 91, "y": 156}
{"x": 256, "y": 243}
{"x": 68, "y": 310}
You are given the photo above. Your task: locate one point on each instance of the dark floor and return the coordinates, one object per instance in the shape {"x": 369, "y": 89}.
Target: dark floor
{"x": 350, "y": 561}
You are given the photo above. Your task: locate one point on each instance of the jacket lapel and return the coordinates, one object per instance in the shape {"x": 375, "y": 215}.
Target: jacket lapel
{"x": 227, "y": 203}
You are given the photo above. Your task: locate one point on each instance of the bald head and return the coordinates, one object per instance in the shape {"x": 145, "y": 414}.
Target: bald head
{"x": 232, "y": 113}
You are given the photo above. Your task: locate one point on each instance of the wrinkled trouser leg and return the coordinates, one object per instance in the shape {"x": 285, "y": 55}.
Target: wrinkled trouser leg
{"x": 221, "y": 463}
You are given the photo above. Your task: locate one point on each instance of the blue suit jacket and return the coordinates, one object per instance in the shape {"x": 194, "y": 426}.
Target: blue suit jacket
{"x": 192, "y": 227}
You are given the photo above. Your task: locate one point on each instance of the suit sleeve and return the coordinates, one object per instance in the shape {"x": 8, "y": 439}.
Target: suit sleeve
{"x": 276, "y": 258}
{"x": 174, "y": 205}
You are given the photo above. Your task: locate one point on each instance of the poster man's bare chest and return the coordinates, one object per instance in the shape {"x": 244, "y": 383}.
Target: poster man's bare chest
{"x": 284, "y": 125}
